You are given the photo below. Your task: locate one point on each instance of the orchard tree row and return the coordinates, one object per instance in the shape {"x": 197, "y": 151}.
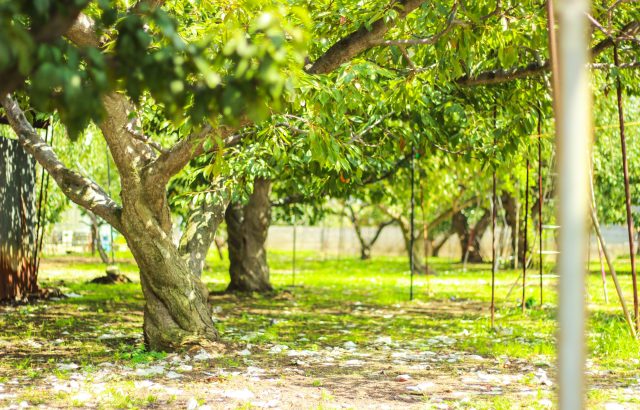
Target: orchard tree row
{"x": 222, "y": 110}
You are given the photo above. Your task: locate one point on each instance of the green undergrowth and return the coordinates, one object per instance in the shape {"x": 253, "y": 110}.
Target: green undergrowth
{"x": 328, "y": 303}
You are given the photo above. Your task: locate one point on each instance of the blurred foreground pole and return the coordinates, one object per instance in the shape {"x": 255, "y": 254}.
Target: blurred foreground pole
{"x": 573, "y": 127}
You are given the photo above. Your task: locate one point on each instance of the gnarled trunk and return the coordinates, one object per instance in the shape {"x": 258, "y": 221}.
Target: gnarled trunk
{"x": 176, "y": 313}
{"x": 247, "y": 228}
{"x": 18, "y": 276}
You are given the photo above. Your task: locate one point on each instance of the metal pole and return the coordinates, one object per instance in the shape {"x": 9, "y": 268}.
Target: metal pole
{"x": 493, "y": 229}
{"x": 526, "y": 245}
{"x": 540, "y": 202}
{"x": 340, "y": 232}
{"x": 425, "y": 236}
{"x": 493, "y": 249}
{"x": 627, "y": 195}
{"x": 412, "y": 219}
{"x": 293, "y": 261}
{"x": 574, "y": 130}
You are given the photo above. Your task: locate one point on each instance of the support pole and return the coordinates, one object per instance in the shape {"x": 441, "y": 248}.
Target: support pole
{"x": 425, "y": 236}
{"x": 293, "y": 260}
{"x": 493, "y": 229}
{"x": 42, "y": 202}
{"x": 574, "y": 130}
{"x": 526, "y": 245}
{"x": 493, "y": 249}
{"x": 612, "y": 270}
{"x": 602, "y": 273}
{"x": 627, "y": 194}
{"x": 412, "y": 220}
{"x": 540, "y": 201}
{"x": 340, "y": 239}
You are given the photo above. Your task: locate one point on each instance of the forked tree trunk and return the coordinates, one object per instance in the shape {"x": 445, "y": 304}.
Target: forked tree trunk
{"x": 366, "y": 244}
{"x": 470, "y": 237}
{"x": 176, "y": 313}
{"x": 247, "y": 228}
{"x": 18, "y": 276}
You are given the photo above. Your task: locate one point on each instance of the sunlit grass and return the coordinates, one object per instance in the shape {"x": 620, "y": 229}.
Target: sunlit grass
{"x": 328, "y": 303}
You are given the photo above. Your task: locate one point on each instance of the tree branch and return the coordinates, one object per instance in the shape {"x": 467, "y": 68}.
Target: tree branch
{"x": 360, "y": 40}
{"x": 629, "y": 31}
{"x": 57, "y": 25}
{"x": 81, "y": 190}
{"x": 200, "y": 231}
{"x": 169, "y": 163}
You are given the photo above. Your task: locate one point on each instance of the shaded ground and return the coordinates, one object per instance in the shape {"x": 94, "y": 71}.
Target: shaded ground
{"x": 345, "y": 337}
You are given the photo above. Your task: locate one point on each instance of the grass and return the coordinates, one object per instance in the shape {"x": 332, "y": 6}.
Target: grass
{"x": 331, "y": 303}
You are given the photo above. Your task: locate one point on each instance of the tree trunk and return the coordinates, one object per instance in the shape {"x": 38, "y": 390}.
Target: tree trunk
{"x": 470, "y": 237}
{"x": 176, "y": 313}
{"x": 511, "y": 215}
{"x": 18, "y": 275}
{"x": 247, "y": 228}
{"x": 436, "y": 245}
{"x": 96, "y": 241}
{"x": 200, "y": 231}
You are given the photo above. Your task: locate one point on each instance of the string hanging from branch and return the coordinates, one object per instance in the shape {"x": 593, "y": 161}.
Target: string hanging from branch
{"x": 42, "y": 201}
{"x": 627, "y": 195}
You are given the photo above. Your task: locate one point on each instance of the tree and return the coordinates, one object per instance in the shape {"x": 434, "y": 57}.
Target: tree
{"x": 170, "y": 84}
{"x": 176, "y": 311}
{"x": 18, "y": 245}
{"x": 247, "y": 228}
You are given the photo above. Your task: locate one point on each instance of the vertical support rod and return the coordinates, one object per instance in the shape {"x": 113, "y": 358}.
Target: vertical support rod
{"x": 612, "y": 269}
{"x": 526, "y": 244}
{"x": 41, "y": 214}
{"x": 293, "y": 261}
{"x": 493, "y": 249}
{"x": 553, "y": 55}
{"x": 493, "y": 227}
{"x": 425, "y": 235}
{"x": 516, "y": 234}
{"x": 627, "y": 194}
{"x": 596, "y": 226}
{"x": 412, "y": 220}
{"x": 340, "y": 239}
{"x": 39, "y": 211}
{"x": 574, "y": 130}
{"x": 540, "y": 203}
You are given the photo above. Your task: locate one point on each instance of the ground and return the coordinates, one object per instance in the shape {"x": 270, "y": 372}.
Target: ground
{"x": 344, "y": 335}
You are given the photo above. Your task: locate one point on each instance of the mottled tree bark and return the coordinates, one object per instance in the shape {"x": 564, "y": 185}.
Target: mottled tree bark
{"x": 18, "y": 276}
{"x": 176, "y": 313}
{"x": 200, "y": 230}
{"x": 247, "y": 228}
